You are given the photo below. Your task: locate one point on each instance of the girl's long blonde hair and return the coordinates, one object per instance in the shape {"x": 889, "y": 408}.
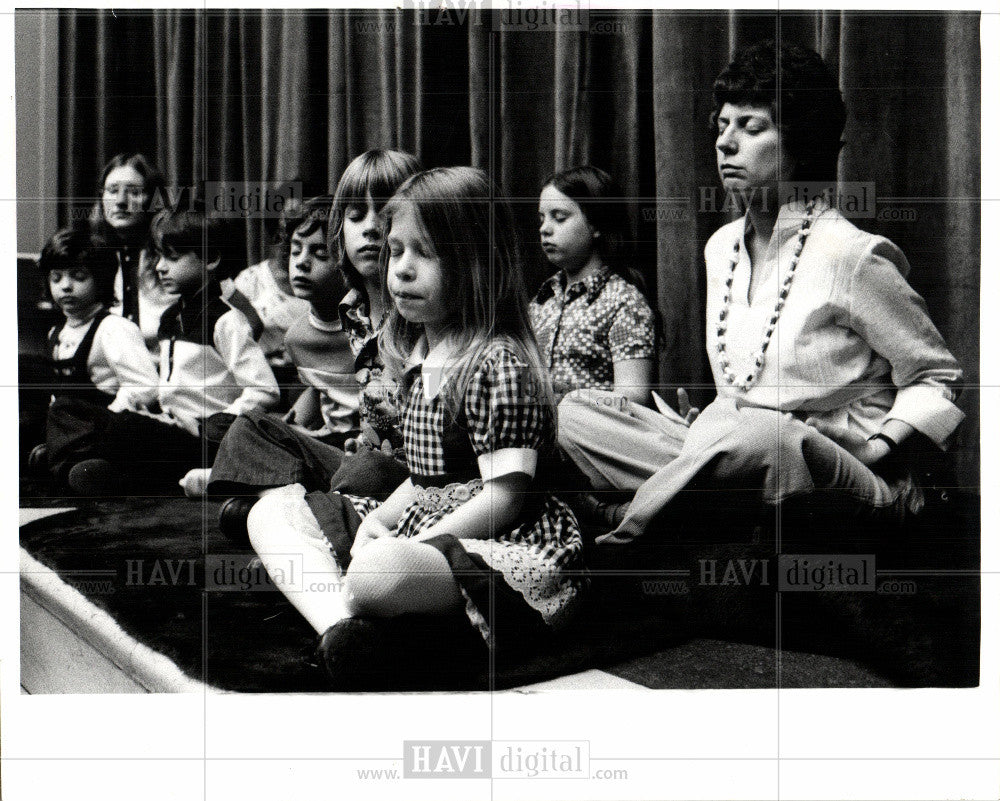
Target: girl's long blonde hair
{"x": 472, "y": 232}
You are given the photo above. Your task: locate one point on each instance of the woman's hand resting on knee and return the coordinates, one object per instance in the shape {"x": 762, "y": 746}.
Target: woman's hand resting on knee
{"x": 688, "y": 412}
{"x": 866, "y": 451}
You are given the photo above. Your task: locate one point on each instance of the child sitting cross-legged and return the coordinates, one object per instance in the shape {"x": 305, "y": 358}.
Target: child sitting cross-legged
{"x": 325, "y": 414}
{"x": 99, "y": 359}
{"x": 335, "y": 350}
{"x": 473, "y": 530}
{"x": 211, "y": 369}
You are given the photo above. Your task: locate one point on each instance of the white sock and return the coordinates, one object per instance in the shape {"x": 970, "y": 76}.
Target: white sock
{"x": 294, "y": 490}
{"x": 195, "y": 482}
{"x": 282, "y": 528}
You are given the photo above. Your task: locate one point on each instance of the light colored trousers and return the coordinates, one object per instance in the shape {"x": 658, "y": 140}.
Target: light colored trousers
{"x": 620, "y": 445}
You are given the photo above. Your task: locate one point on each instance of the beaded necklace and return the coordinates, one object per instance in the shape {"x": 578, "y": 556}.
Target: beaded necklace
{"x": 786, "y": 284}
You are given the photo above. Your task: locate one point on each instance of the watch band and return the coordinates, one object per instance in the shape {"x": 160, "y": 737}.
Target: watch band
{"x": 886, "y": 439}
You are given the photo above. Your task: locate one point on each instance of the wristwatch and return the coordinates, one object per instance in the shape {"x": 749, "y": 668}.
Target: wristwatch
{"x": 886, "y": 439}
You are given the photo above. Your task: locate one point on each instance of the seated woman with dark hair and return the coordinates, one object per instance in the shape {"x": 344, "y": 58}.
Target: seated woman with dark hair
{"x": 824, "y": 358}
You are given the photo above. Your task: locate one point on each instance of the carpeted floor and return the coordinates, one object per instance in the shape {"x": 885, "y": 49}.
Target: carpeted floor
{"x": 228, "y": 626}
{"x": 248, "y": 638}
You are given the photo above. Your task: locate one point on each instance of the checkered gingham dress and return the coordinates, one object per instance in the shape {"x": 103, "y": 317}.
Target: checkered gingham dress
{"x": 521, "y": 578}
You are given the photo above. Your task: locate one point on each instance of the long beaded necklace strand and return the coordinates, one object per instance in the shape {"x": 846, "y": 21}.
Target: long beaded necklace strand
{"x": 720, "y": 329}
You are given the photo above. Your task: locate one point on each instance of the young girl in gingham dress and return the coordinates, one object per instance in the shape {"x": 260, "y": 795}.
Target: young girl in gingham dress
{"x": 471, "y": 528}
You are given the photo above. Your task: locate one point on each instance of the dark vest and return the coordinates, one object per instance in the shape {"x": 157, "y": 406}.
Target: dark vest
{"x": 194, "y": 319}
{"x": 71, "y": 376}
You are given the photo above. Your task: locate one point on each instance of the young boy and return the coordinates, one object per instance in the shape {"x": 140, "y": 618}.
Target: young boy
{"x": 255, "y": 451}
{"x": 282, "y": 455}
{"x": 211, "y": 369}
{"x": 316, "y": 342}
{"x": 98, "y": 359}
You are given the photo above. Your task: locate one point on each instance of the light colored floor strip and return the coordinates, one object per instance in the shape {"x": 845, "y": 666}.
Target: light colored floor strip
{"x": 152, "y": 670}
{"x": 587, "y": 680}
{"x": 31, "y": 515}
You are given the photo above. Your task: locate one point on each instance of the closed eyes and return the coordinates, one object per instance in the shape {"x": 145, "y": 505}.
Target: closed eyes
{"x": 132, "y": 189}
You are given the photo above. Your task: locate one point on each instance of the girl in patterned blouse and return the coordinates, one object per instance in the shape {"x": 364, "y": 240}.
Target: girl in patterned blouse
{"x": 470, "y": 529}
{"x": 594, "y": 326}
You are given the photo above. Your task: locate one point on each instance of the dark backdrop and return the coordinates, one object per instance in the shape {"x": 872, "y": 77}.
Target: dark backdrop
{"x": 281, "y": 95}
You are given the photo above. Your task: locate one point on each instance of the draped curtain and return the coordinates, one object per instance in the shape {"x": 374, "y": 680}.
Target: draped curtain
{"x": 272, "y": 96}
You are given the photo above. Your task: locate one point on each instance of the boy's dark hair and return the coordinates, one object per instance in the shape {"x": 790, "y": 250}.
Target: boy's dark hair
{"x": 804, "y": 99}
{"x": 75, "y": 249}
{"x": 310, "y": 215}
{"x": 190, "y": 229}
{"x": 153, "y": 185}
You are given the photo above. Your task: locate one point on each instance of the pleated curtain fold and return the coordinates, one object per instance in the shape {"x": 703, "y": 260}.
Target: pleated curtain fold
{"x": 273, "y": 96}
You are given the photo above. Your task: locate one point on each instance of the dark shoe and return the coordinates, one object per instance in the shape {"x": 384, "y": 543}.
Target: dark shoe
{"x": 94, "y": 478}
{"x": 38, "y": 459}
{"x": 406, "y": 653}
{"x": 593, "y": 512}
{"x": 355, "y": 654}
{"x": 233, "y": 519}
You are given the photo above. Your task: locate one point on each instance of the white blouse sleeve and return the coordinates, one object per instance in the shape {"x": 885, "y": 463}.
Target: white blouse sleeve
{"x": 120, "y": 343}
{"x": 893, "y": 319}
{"x": 247, "y": 362}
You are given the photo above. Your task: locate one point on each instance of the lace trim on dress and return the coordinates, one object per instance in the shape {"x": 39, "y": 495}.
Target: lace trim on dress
{"x": 434, "y": 499}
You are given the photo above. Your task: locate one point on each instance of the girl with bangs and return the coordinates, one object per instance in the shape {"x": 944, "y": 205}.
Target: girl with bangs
{"x": 591, "y": 317}
{"x": 98, "y": 359}
{"x": 471, "y": 529}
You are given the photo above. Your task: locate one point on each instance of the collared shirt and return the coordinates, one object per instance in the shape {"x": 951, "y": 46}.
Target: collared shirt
{"x": 853, "y": 344}
{"x": 584, "y": 328}
{"x": 433, "y": 364}
{"x": 356, "y": 321}
{"x": 498, "y": 429}
{"x": 209, "y": 361}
